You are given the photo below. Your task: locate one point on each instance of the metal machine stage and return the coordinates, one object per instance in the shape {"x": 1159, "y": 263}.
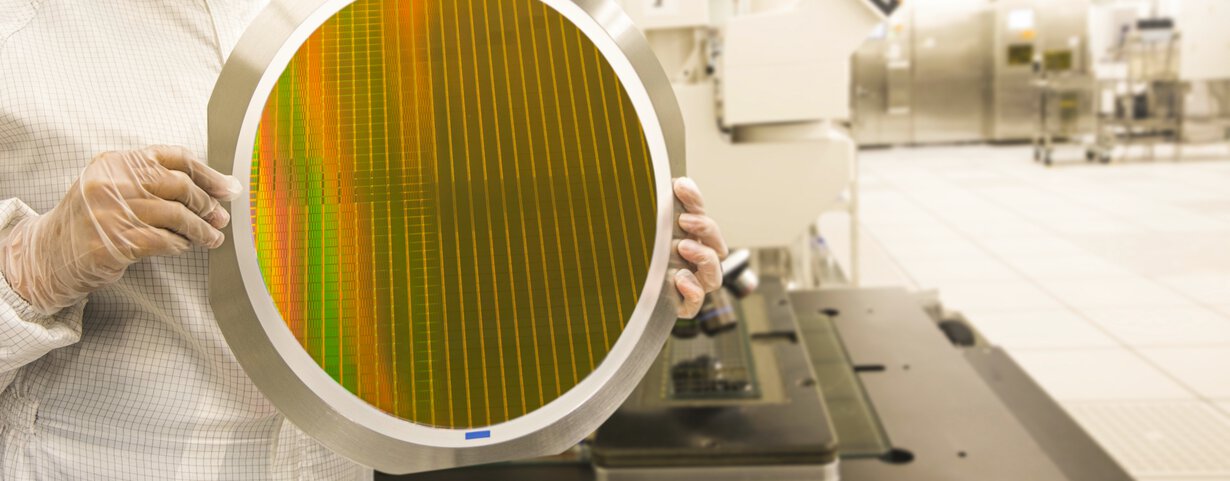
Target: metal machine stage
{"x": 851, "y": 384}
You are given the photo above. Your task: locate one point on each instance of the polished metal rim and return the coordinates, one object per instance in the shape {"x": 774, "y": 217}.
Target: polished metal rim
{"x": 322, "y": 408}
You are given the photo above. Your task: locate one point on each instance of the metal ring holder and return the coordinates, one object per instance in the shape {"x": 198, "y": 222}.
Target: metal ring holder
{"x": 301, "y": 389}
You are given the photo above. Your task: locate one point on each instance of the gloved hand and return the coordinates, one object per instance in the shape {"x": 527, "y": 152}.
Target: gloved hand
{"x": 704, "y": 250}
{"x": 125, "y": 206}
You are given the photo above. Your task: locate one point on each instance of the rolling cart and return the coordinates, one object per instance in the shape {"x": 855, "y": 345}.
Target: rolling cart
{"x": 1146, "y": 107}
{"x": 1060, "y": 100}
{"x": 1063, "y": 101}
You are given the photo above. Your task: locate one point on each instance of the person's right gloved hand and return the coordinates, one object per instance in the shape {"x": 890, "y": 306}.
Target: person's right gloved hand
{"x": 125, "y": 206}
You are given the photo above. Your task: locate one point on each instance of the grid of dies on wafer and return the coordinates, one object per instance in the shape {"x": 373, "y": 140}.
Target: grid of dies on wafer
{"x": 453, "y": 206}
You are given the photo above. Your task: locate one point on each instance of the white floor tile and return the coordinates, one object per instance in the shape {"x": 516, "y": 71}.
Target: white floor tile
{"x": 1054, "y": 211}
{"x": 892, "y": 208}
{"x": 1163, "y": 326}
{"x": 1048, "y": 268}
{"x": 935, "y": 273}
{"x": 905, "y": 248}
{"x": 966, "y": 210}
{"x": 1206, "y": 288}
{"x": 1001, "y": 229}
{"x": 868, "y": 182}
{"x": 1032, "y": 247}
{"x": 1184, "y": 223}
{"x": 1160, "y": 440}
{"x": 1114, "y": 292}
{"x": 1098, "y": 374}
{"x": 1013, "y": 197}
{"x": 1162, "y": 254}
{"x": 1090, "y": 226}
{"x": 1204, "y": 369}
{"x": 1004, "y": 295}
{"x": 876, "y": 268}
{"x": 909, "y": 233}
{"x": 1040, "y": 329}
{"x": 976, "y": 177}
{"x": 1213, "y": 206}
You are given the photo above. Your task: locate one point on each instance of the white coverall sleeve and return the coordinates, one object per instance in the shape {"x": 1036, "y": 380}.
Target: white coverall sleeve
{"x": 25, "y": 334}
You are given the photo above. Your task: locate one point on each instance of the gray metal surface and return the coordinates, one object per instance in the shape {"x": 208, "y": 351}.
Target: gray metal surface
{"x": 963, "y": 414}
{"x": 786, "y": 427}
{"x": 858, "y": 429}
{"x": 504, "y": 472}
{"x": 1069, "y": 446}
{"x": 782, "y": 472}
{"x": 300, "y": 389}
{"x": 584, "y": 472}
{"x": 931, "y": 402}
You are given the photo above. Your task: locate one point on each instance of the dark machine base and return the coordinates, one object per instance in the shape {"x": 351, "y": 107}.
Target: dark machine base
{"x": 905, "y": 404}
{"x": 950, "y": 413}
{"x": 782, "y": 434}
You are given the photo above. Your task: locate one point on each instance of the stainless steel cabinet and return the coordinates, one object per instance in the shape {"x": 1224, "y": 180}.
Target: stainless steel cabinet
{"x": 883, "y": 88}
{"x": 1024, "y": 31}
{"x": 923, "y": 77}
{"x": 950, "y": 70}
{"x": 945, "y": 71}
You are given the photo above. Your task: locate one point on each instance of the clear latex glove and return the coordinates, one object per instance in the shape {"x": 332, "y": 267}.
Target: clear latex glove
{"x": 125, "y": 206}
{"x": 704, "y": 250}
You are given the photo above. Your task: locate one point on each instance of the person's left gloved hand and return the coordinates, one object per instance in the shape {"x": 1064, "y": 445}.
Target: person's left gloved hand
{"x": 704, "y": 250}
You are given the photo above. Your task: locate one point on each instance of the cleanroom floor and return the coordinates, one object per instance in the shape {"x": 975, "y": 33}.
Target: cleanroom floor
{"x": 1110, "y": 283}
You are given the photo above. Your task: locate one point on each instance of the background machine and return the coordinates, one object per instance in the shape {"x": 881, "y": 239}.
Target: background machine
{"x": 792, "y": 372}
{"x": 1104, "y": 75}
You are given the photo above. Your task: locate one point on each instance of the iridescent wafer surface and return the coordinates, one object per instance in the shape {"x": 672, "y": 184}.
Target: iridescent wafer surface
{"x": 453, "y": 206}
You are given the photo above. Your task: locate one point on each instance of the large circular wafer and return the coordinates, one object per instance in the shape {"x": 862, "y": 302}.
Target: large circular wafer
{"x": 457, "y": 235}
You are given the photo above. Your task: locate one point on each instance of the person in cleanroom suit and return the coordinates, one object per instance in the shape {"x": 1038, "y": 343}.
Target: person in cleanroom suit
{"x": 111, "y": 364}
